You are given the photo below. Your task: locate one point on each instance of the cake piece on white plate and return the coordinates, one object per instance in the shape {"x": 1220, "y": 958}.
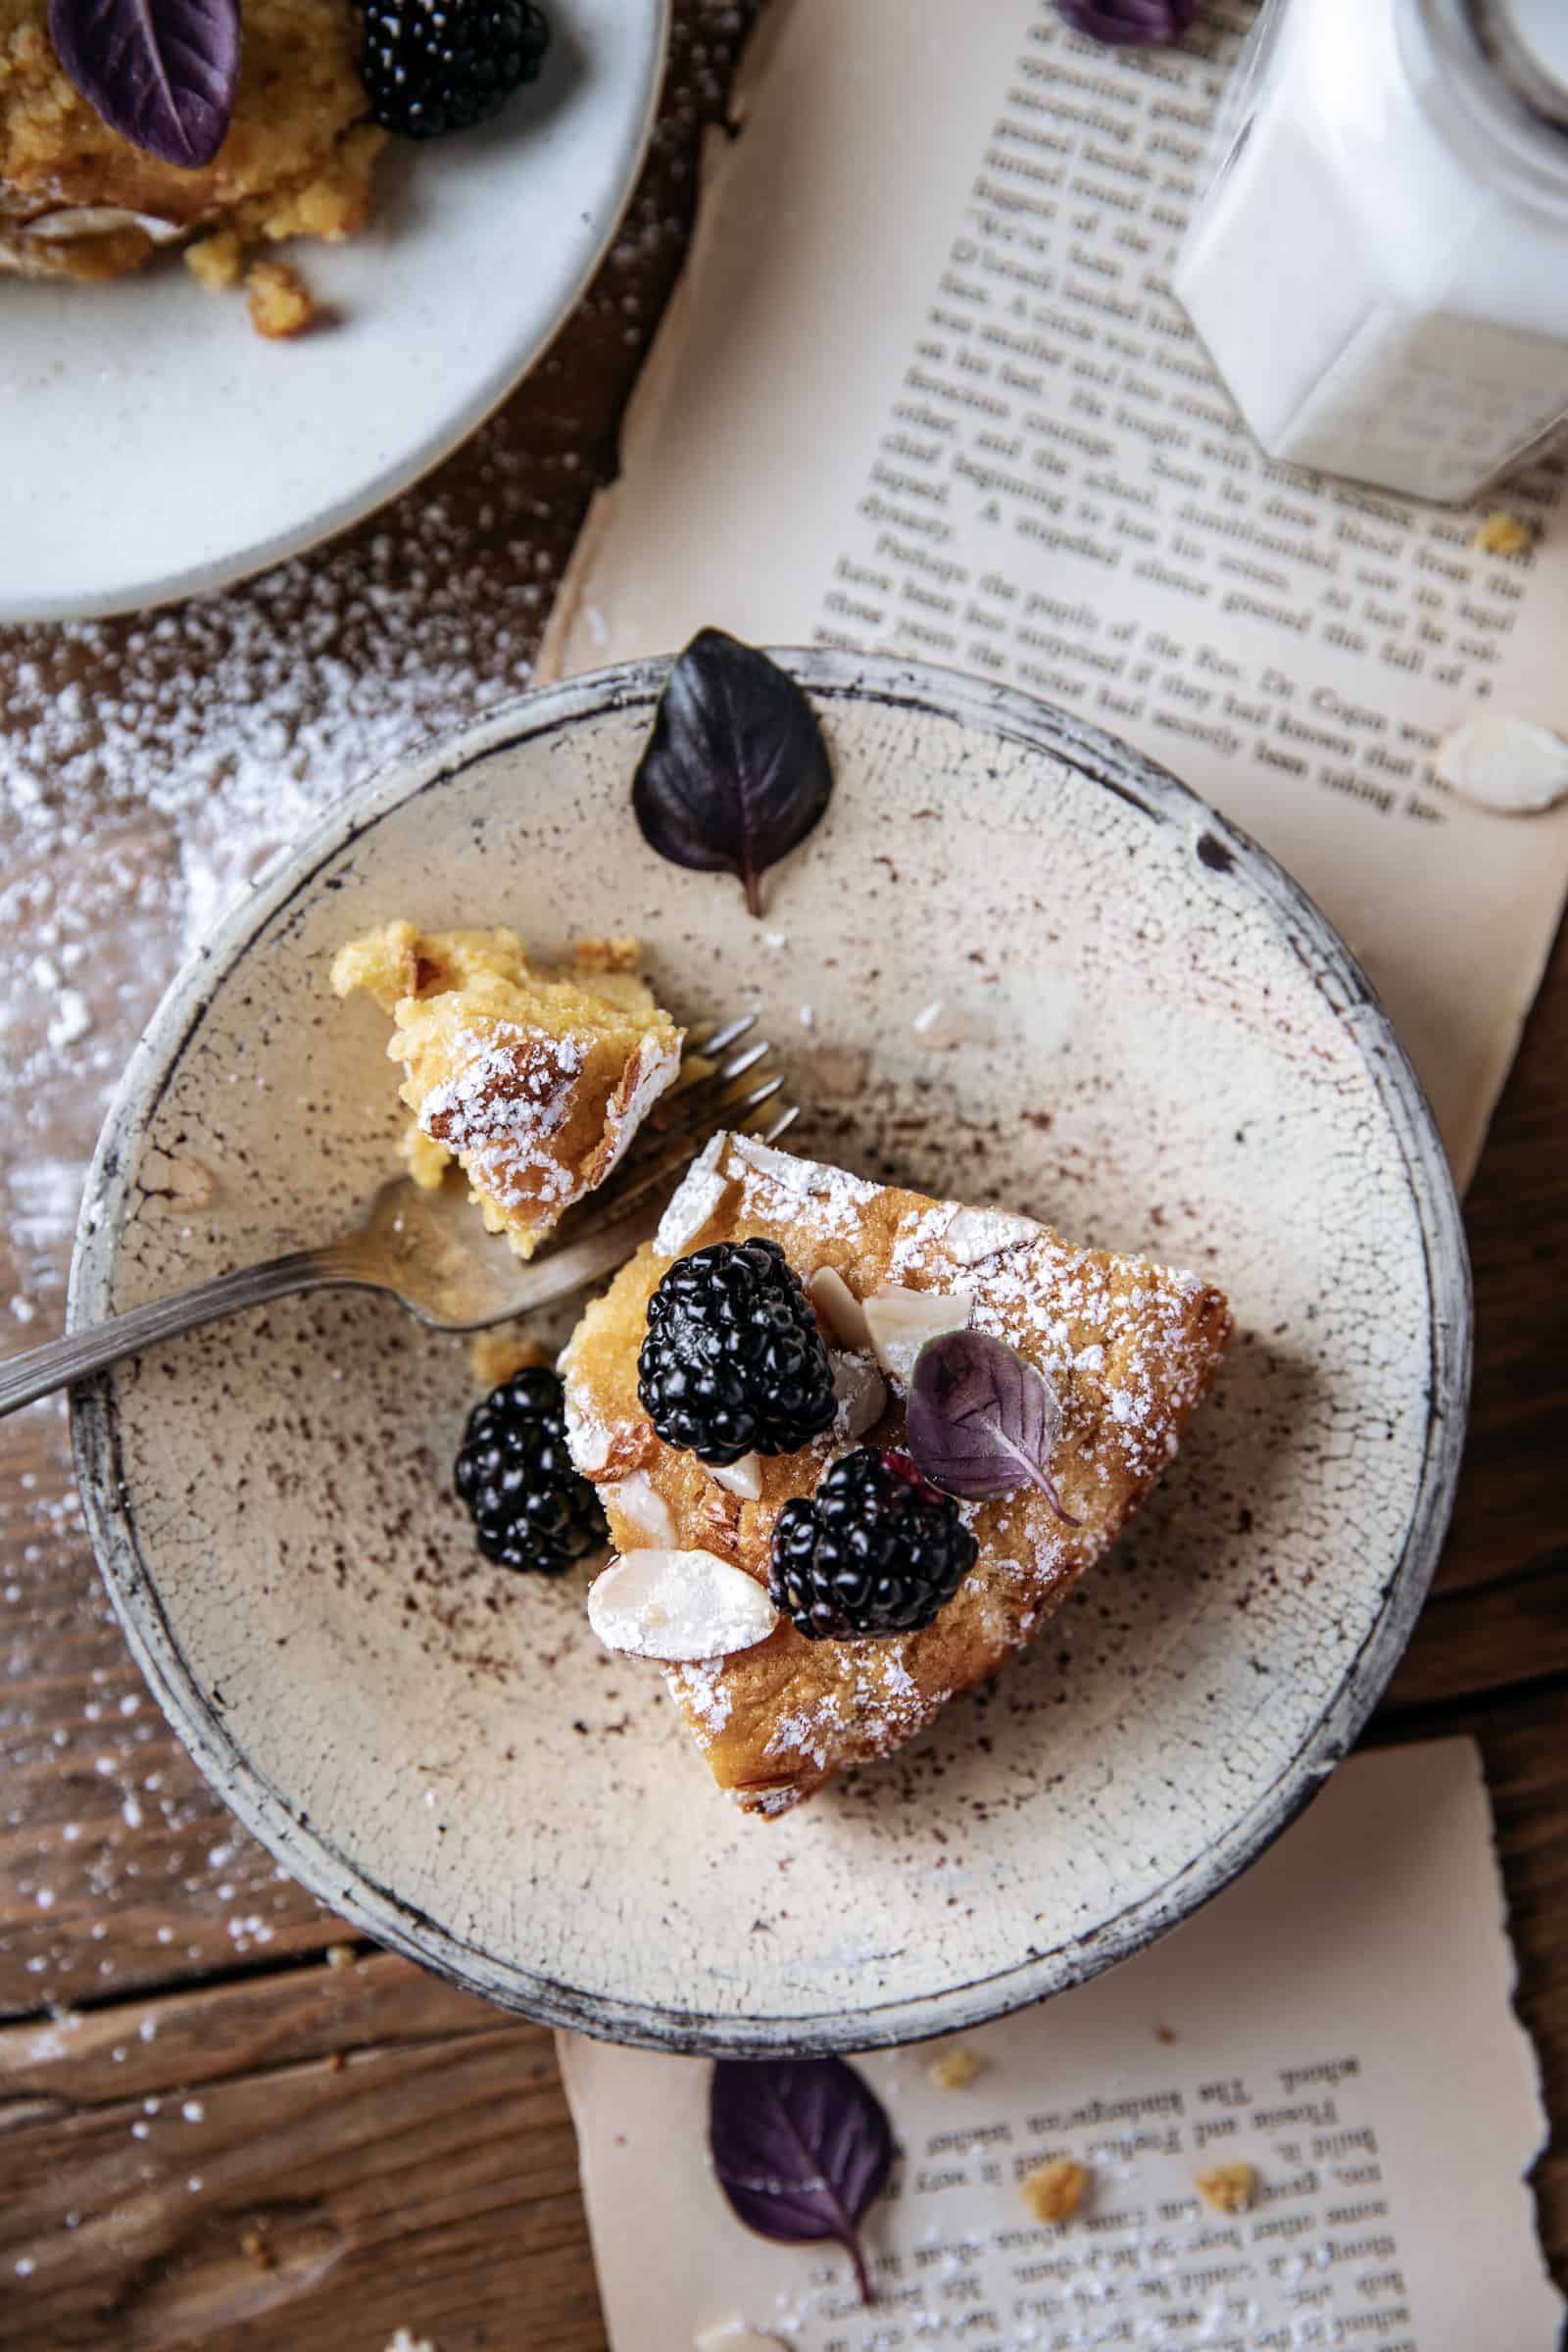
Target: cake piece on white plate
{"x": 535, "y": 1084}
{"x": 1126, "y": 1349}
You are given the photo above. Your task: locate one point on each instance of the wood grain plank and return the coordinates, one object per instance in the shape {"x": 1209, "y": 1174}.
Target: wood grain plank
{"x": 174, "y": 2042}
{"x": 1513, "y": 1505}
{"x": 429, "y": 2185}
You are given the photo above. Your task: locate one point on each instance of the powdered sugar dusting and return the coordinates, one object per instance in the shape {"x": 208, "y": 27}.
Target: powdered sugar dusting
{"x": 499, "y": 1109}
{"x": 776, "y": 1185}
{"x": 877, "y": 1699}
{"x": 705, "y": 1692}
{"x": 695, "y": 1200}
{"x": 658, "y": 1067}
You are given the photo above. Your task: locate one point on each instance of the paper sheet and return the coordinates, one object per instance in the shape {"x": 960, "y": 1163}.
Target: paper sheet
{"x": 1339, "y": 2019}
{"x": 922, "y": 389}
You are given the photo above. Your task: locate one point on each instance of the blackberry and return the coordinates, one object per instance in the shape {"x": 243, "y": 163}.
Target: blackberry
{"x": 874, "y": 1550}
{"x": 734, "y": 1363}
{"x": 530, "y": 1508}
{"x": 433, "y": 66}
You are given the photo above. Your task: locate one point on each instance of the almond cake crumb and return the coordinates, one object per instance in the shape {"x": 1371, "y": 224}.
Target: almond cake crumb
{"x": 280, "y": 303}
{"x": 955, "y": 2069}
{"x": 219, "y": 261}
{"x": 618, "y": 954}
{"x": 1229, "y": 2187}
{"x": 1055, "y": 2190}
{"x": 1502, "y": 534}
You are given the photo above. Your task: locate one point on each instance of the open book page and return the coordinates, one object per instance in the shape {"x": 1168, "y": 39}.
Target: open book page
{"x": 1338, "y": 2021}
{"x": 923, "y": 389}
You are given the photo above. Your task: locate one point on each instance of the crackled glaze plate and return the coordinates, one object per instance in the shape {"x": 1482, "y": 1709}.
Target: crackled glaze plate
{"x": 156, "y": 447}
{"x": 1144, "y": 1034}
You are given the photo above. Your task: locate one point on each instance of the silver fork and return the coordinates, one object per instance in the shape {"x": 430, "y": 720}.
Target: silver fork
{"x": 428, "y": 1250}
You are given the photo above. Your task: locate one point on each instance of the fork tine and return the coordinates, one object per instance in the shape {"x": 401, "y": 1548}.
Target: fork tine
{"x": 742, "y": 1109}
{"x": 681, "y": 1098}
{"x": 722, "y": 1038}
{"x": 782, "y": 1123}
{"x": 688, "y": 1109}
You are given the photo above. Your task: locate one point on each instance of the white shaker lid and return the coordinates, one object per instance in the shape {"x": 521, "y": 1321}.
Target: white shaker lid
{"x": 1530, "y": 40}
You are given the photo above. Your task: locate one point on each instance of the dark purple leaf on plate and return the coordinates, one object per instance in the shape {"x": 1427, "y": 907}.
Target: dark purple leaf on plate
{"x": 162, "y": 73}
{"x": 801, "y": 2147}
{"x": 982, "y": 1421}
{"x": 1130, "y": 24}
{"x": 735, "y": 772}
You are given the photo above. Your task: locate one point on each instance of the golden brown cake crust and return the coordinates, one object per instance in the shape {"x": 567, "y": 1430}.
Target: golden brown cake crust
{"x": 1131, "y": 1348}
{"x": 296, "y": 161}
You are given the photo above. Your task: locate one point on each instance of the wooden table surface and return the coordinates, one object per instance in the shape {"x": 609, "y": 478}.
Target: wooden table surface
{"x": 224, "y": 2122}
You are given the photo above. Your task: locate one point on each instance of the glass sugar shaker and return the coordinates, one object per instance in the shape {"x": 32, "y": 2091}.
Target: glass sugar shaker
{"x": 1379, "y": 269}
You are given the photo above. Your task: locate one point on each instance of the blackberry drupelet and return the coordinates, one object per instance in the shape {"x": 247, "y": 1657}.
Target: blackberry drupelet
{"x": 530, "y": 1508}
{"x": 874, "y": 1550}
{"x": 734, "y": 1363}
{"x": 433, "y": 66}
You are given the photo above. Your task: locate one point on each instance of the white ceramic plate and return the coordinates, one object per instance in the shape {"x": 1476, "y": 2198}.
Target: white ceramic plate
{"x": 153, "y": 446}
{"x": 1163, "y": 1044}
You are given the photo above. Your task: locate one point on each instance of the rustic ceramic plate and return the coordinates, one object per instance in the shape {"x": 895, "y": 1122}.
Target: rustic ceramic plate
{"x": 1146, "y": 1035}
{"x": 155, "y": 446}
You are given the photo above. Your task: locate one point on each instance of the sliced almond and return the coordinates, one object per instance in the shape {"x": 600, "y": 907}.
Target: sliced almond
{"x": 694, "y": 1201}
{"x": 861, "y": 1392}
{"x": 734, "y": 2336}
{"x": 638, "y": 1501}
{"x": 900, "y": 1322}
{"x": 782, "y": 1166}
{"x": 676, "y": 1605}
{"x": 976, "y": 1234}
{"x": 839, "y": 1308}
{"x": 743, "y": 1478}
{"x": 73, "y": 220}
{"x": 1509, "y": 765}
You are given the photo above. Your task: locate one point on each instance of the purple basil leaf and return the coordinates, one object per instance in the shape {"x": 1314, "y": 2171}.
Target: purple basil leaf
{"x": 162, "y": 73}
{"x": 734, "y": 774}
{"x": 801, "y": 2147}
{"x": 1130, "y": 24}
{"x": 982, "y": 1421}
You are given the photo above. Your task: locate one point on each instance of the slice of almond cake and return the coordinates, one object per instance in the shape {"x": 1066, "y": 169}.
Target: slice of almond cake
{"x": 739, "y": 1398}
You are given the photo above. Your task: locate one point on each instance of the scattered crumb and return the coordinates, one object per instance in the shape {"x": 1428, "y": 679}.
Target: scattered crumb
{"x": 217, "y": 261}
{"x": 1229, "y": 2187}
{"x": 334, "y": 2062}
{"x": 403, "y": 2341}
{"x": 340, "y": 1955}
{"x": 494, "y": 1356}
{"x": 1166, "y": 2034}
{"x": 1500, "y": 534}
{"x": 955, "y": 2069}
{"x": 618, "y": 954}
{"x": 281, "y": 303}
{"x": 1055, "y": 2190}
{"x": 254, "y": 2246}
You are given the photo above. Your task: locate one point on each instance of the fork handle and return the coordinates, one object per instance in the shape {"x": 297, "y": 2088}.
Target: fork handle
{"x": 28, "y": 1377}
